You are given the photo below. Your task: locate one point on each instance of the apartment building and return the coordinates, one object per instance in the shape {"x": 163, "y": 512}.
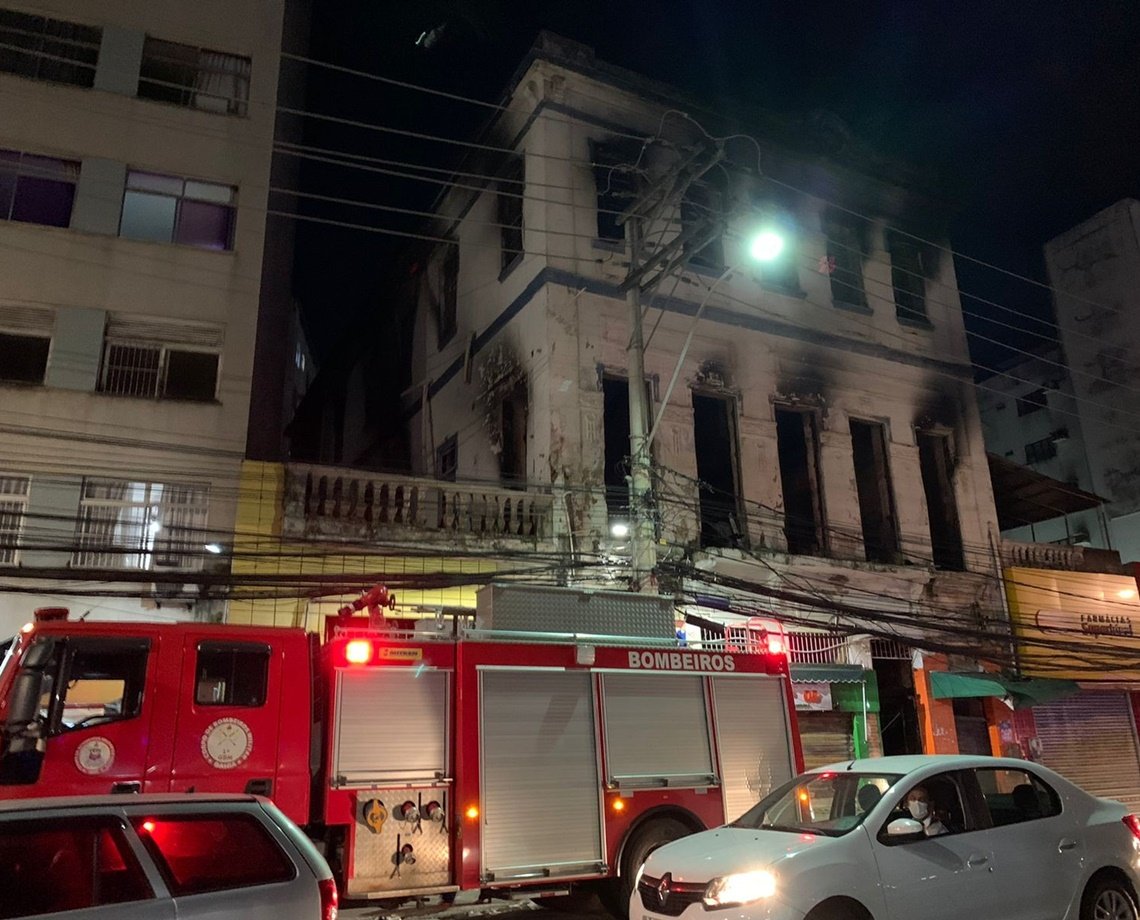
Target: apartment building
{"x": 135, "y": 149}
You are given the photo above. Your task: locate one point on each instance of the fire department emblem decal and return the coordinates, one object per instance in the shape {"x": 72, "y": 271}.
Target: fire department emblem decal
{"x": 95, "y": 756}
{"x": 227, "y": 743}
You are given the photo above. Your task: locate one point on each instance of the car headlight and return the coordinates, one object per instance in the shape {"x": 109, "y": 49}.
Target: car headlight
{"x": 743, "y": 888}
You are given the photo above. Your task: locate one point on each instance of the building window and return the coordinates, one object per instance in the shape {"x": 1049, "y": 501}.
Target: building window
{"x": 844, "y": 261}
{"x": 512, "y": 186}
{"x": 448, "y": 295}
{"x": 35, "y": 189}
{"x": 797, "y": 444}
{"x": 196, "y": 78}
{"x": 447, "y": 459}
{"x": 140, "y": 525}
{"x": 13, "y": 509}
{"x": 1040, "y": 451}
{"x": 168, "y": 209}
{"x": 908, "y": 279}
{"x": 158, "y": 371}
{"x": 48, "y": 49}
{"x": 513, "y": 429}
{"x": 23, "y": 358}
{"x": 936, "y": 464}
{"x": 1032, "y": 402}
{"x": 873, "y": 484}
{"x": 716, "y": 439}
{"x": 701, "y": 215}
{"x": 783, "y": 272}
{"x": 616, "y": 185}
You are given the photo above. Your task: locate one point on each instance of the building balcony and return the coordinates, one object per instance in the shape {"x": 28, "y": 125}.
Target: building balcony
{"x": 1061, "y": 556}
{"x": 356, "y": 505}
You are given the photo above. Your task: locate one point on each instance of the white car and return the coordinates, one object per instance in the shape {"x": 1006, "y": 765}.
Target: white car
{"x": 1000, "y": 839}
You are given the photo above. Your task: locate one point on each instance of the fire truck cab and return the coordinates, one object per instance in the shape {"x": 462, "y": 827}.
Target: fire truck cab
{"x": 487, "y": 759}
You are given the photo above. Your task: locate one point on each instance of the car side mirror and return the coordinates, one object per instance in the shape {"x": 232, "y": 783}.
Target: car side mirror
{"x": 902, "y": 829}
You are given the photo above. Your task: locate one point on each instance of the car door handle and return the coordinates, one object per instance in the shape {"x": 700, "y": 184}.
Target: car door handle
{"x": 1066, "y": 845}
{"x": 128, "y": 788}
{"x": 977, "y": 860}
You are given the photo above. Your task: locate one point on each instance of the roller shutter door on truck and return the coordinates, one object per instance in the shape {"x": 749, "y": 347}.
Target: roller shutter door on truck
{"x": 755, "y": 746}
{"x": 541, "y": 791}
{"x": 1090, "y": 739}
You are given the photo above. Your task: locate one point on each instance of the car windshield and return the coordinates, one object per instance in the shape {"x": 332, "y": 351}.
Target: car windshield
{"x": 831, "y": 804}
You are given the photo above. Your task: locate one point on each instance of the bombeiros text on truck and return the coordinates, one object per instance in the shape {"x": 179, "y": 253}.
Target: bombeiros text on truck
{"x": 524, "y": 751}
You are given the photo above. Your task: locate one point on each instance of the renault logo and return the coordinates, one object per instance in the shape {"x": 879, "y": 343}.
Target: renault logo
{"x": 663, "y": 888}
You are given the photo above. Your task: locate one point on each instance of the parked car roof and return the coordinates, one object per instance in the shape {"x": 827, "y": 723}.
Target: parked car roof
{"x": 909, "y": 763}
{"x": 122, "y": 801}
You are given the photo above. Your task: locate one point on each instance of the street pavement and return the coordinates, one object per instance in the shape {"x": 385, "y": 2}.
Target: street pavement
{"x": 512, "y": 910}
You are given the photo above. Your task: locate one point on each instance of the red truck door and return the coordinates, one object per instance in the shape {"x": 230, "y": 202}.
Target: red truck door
{"x": 96, "y": 715}
{"x": 226, "y": 732}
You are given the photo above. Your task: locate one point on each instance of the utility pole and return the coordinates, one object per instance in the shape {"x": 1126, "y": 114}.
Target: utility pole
{"x": 653, "y": 205}
{"x": 643, "y": 529}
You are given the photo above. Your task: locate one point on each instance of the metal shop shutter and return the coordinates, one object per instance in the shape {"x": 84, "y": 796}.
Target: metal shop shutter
{"x": 656, "y": 727}
{"x": 541, "y": 792}
{"x": 1091, "y": 741}
{"x": 752, "y": 730}
{"x": 826, "y": 737}
{"x": 393, "y": 725}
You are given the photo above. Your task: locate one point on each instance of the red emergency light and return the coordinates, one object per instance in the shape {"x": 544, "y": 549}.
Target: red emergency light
{"x": 358, "y": 651}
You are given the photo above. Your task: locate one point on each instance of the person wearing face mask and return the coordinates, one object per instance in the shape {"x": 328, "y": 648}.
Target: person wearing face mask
{"x": 918, "y": 804}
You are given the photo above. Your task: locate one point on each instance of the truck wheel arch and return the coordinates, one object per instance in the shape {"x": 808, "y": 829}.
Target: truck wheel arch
{"x": 676, "y": 812}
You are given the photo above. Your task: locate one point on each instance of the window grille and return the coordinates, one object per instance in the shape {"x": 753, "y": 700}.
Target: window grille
{"x": 13, "y": 509}
{"x": 140, "y": 525}
{"x": 196, "y": 78}
{"x": 158, "y": 371}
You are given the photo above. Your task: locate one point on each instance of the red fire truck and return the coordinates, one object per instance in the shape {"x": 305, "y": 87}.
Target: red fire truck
{"x": 428, "y": 762}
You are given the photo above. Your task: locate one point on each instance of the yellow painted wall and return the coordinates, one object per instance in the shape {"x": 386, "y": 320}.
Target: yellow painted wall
{"x": 258, "y": 549}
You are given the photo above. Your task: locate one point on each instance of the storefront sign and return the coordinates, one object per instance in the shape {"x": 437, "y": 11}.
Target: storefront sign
{"x": 813, "y": 697}
{"x": 1074, "y": 625}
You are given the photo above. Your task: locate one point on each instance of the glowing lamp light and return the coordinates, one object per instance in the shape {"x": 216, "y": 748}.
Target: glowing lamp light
{"x": 27, "y": 628}
{"x": 472, "y": 813}
{"x": 358, "y": 651}
{"x": 766, "y": 246}
{"x": 618, "y": 805}
{"x": 1126, "y": 594}
{"x": 775, "y": 644}
{"x": 619, "y": 529}
{"x": 215, "y": 548}
{"x": 148, "y": 826}
{"x": 803, "y": 796}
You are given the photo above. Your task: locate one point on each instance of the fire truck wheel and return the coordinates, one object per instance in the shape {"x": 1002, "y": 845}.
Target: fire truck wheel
{"x": 653, "y": 834}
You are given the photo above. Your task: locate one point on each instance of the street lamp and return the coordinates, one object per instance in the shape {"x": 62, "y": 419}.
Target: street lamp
{"x": 765, "y": 246}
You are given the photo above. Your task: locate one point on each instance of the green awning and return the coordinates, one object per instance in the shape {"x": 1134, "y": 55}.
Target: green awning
{"x": 1028, "y": 692}
{"x": 827, "y": 674}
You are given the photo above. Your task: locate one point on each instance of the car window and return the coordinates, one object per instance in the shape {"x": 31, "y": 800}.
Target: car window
{"x": 66, "y": 864}
{"x": 1013, "y": 796}
{"x": 101, "y": 682}
{"x": 831, "y": 804}
{"x": 213, "y": 852}
{"x": 945, "y": 811}
{"x": 231, "y": 674}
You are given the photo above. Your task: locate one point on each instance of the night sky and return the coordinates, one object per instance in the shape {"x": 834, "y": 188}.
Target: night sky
{"x": 1029, "y": 111}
